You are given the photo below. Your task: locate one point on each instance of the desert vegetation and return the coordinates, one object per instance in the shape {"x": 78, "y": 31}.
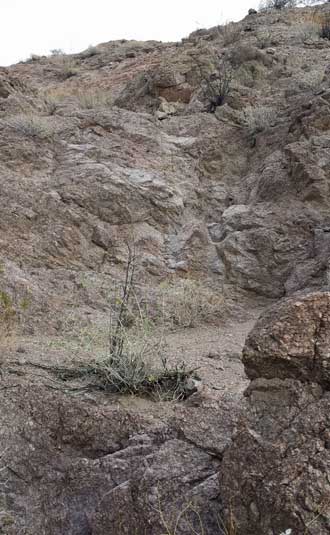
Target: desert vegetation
{"x": 216, "y": 78}
{"x": 186, "y": 303}
{"x": 257, "y": 119}
{"x": 277, "y": 4}
{"x": 31, "y": 125}
{"x": 134, "y": 361}
{"x": 14, "y": 310}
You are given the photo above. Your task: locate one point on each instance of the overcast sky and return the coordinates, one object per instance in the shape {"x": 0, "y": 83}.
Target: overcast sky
{"x": 38, "y": 26}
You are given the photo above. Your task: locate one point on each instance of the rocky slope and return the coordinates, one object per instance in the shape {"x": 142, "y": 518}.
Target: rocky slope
{"x": 200, "y": 192}
{"x": 115, "y": 145}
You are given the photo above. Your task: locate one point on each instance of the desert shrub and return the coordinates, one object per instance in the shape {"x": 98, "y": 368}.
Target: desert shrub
{"x": 128, "y": 366}
{"x": 257, "y": 119}
{"x": 216, "y": 76}
{"x": 249, "y": 74}
{"x": 57, "y": 52}
{"x": 277, "y": 4}
{"x": 241, "y": 55}
{"x": 89, "y": 52}
{"x": 51, "y": 99}
{"x": 94, "y": 99}
{"x": 264, "y": 39}
{"x": 49, "y": 104}
{"x": 13, "y": 311}
{"x": 188, "y": 303}
{"x": 188, "y": 519}
{"x": 31, "y": 125}
{"x": 310, "y": 80}
{"x": 67, "y": 66}
{"x": 308, "y": 30}
{"x": 230, "y": 33}
{"x": 8, "y": 315}
{"x": 69, "y": 69}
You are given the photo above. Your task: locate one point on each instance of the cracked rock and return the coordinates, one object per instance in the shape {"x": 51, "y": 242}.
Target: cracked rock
{"x": 292, "y": 340}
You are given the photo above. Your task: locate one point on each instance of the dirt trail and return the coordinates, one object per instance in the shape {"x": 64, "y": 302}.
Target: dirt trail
{"x": 215, "y": 351}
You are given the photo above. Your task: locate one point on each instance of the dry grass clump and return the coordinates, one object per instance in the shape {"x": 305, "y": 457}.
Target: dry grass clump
{"x": 67, "y": 66}
{"x": 230, "y": 33}
{"x": 31, "y": 125}
{"x": 308, "y": 30}
{"x": 12, "y": 316}
{"x": 50, "y": 103}
{"x": 188, "y": 303}
{"x": 311, "y": 80}
{"x": 256, "y": 119}
{"x": 94, "y": 99}
{"x": 129, "y": 365}
{"x": 88, "y": 99}
{"x": 189, "y": 520}
{"x": 264, "y": 39}
{"x": 8, "y": 319}
{"x": 69, "y": 69}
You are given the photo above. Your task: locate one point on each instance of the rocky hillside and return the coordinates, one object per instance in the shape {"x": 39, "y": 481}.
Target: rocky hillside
{"x": 122, "y": 144}
{"x": 114, "y": 142}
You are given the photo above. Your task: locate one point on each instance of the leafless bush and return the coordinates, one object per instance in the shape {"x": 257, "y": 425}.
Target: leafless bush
{"x": 133, "y": 348}
{"x": 57, "y": 52}
{"x": 216, "y": 75}
{"x": 277, "y": 4}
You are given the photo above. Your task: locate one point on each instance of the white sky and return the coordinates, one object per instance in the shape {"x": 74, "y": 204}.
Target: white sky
{"x": 38, "y": 26}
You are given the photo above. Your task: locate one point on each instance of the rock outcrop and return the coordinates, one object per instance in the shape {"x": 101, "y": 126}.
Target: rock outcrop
{"x": 115, "y": 142}
{"x": 72, "y": 466}
{"x": 275, "y": 474}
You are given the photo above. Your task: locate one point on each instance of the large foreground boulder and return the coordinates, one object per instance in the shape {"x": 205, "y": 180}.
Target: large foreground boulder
{"x": 72, "y": 466}
{"x": 292, "y": 340}
{"x": 276, "y": 474}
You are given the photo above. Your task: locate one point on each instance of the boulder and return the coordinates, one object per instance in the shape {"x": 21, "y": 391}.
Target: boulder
{"x": 275, "y": 474}
{"x": 77, "y": 465}
{"x": 292, "y": 340}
